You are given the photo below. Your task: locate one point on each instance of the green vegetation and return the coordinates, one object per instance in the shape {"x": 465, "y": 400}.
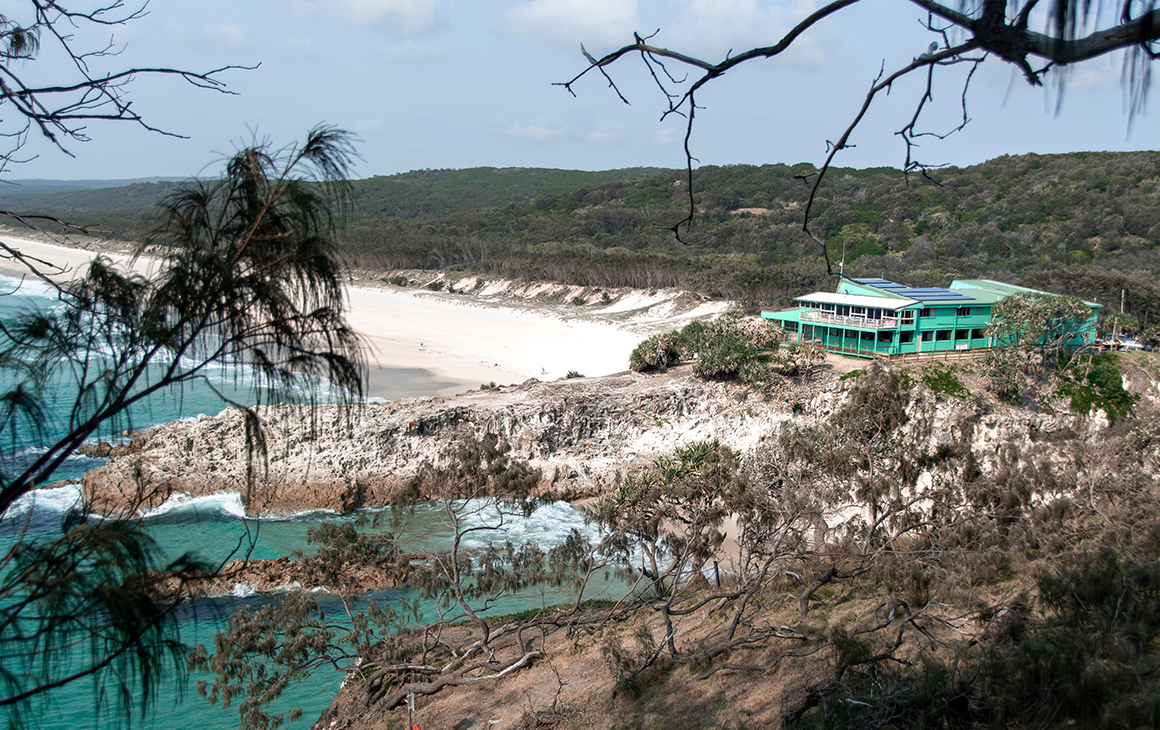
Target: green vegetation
{"x": 1097, "y": 383}
{"x": 1032, "y": 220}
{"x": 573, "y": 374}
{"x": 941, "y": 379}
{"x": 732, "y": 346}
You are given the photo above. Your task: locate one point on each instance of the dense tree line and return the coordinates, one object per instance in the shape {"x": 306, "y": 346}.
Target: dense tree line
{"x": 1084, "y": 224}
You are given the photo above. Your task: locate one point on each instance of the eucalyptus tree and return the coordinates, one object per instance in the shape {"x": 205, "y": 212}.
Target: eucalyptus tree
{"x": 247, "y": 277}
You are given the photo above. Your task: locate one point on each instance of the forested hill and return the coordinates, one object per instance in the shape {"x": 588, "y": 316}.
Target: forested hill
{"x": 1080, "y": 223}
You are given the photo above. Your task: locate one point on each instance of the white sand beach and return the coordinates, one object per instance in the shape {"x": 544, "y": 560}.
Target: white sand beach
{"x": 461, "y": 345}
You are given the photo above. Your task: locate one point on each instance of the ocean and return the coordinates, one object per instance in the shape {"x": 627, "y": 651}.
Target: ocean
{"x": 213, "y": 525}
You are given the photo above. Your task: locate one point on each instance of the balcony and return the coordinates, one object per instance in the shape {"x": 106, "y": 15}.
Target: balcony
{"x": 813, "y": 315}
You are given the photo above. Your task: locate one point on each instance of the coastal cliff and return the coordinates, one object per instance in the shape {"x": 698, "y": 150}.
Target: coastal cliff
{"x": 1001, "y": 492}
{"x": 582, "y": 434}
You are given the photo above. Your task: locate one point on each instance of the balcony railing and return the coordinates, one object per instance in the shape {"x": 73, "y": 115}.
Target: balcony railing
{"x": 866, "y": 324}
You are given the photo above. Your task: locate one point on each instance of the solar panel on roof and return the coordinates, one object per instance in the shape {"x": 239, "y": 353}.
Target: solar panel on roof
{"x": 921, "y": 294}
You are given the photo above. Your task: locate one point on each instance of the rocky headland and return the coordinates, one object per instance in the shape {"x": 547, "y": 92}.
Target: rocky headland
{"x": 582, "y": 434}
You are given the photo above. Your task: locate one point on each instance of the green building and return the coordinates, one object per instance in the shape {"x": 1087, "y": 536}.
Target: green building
{"x": 876, "y": 317}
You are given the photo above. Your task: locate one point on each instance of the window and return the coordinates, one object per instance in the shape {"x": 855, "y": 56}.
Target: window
{"x": 907, "y": 316}
{"x": 905, "y": 338}
{"x": 962, "y": 334}
{"x": 927, "y": 336}
{"x": 886, "y": 338}
{"x": 843, "y": 310}
{"x": 964, "y": 312}
{"x": 790, "y": 326}
{"x": 858, "y": 312}
{"x": 868, "y": 337}
{"x": 942, "y": 336}
{"x": 926, "y": 312}
{"x": 978, "y": 334}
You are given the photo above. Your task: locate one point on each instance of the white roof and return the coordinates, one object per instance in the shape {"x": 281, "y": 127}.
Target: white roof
{"x": 856, "y": 300}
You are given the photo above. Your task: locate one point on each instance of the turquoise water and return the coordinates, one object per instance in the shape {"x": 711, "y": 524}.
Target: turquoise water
{"x": 213, "y": 528}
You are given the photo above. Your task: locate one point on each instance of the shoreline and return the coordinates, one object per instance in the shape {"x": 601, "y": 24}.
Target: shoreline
{"x": 460, "y": 344}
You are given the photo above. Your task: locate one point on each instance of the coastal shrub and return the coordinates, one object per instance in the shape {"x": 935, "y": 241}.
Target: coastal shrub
{"x": 436, "y": 285}
{"x": 579, "y": 301}
{"x": 798, "y": 358}
{"x": 399, "y": 280}
{"x": 728, "y": 347}
{"x": 605, "y": 299}
{"x": 1001, "y": 367}
{"x": 942, "y": 379}
{"x": 655, "y": 353}
{"x": 729, "y": 357}
{"x": 1097, "y": 383}
{"x": 756, "y": 331}
{"x": 1087, "y": 661}
{"x": 574, "y": 374}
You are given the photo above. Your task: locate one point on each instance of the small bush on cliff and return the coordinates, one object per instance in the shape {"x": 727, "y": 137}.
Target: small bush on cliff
{"x": 1097, "y": 383}
{"x": 729, "y": 357}
{"x": 942, "y": 379}
{"x": 656, "y": 353}
{"x": 728, "y": 347}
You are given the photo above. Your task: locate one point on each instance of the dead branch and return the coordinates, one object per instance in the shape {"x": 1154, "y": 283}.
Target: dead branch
{"x": 454, "y": 679}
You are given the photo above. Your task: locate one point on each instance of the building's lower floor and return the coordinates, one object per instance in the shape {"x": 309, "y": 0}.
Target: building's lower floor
{"x": 874, "y": 343}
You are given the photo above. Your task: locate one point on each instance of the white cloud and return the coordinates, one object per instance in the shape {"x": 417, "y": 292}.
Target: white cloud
{"x": 408, "y": 17}
{"x": 228, "y": 35}
{"x": 596, "y": 23}
{"x": 666, "y": 137}
{"x": 712, "y": 28}
{"x": 539, "y": 130}
{"x": 369, "y": 126}
{"x": 412, "y": 50}
{"x": 232, "y": 36}
{"x": 606, "y": 133}
{"x": 304, "y": 46}
{"x": 1091, "y": 77}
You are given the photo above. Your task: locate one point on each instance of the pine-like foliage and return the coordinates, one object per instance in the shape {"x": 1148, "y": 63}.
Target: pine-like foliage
{"x": 247, "y": 279}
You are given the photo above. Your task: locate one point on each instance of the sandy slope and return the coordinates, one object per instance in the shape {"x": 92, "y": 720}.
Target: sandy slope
{"x": 464, "y": 340}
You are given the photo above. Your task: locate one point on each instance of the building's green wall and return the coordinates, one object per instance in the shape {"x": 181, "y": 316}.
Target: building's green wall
{"x": 936, "y": 326}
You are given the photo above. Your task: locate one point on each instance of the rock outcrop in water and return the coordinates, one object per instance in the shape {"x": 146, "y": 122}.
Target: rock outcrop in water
{"x": 582, "y": 434}
{"x": 242, "y": 577}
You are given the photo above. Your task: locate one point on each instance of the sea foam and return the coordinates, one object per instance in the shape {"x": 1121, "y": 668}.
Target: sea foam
{"x": 55, "y": 499}
{"x": 229, "y": 503}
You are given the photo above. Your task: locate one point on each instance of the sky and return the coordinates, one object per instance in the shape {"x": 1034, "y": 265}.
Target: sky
{"x": 458, "y": 84}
